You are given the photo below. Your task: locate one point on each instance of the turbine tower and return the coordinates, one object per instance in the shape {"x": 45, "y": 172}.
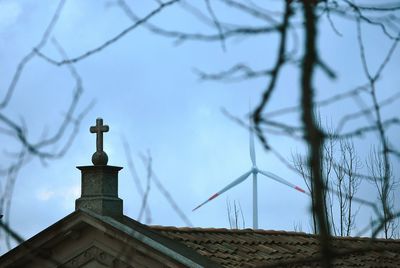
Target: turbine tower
{"x": 254, "y": 171}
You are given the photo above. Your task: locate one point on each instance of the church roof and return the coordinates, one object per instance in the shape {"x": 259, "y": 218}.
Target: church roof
{"x": 261, "y": 248}
{"x": 209, "y": 247}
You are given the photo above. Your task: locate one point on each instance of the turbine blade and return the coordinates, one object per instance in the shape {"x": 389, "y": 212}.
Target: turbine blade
{"x": 226, "y": 188}
{"x": 252, "y": 151}
{"x": 283, "y": 181}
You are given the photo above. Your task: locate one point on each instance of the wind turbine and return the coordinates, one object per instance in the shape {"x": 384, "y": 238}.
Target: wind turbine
{"x": 253, "y": 171}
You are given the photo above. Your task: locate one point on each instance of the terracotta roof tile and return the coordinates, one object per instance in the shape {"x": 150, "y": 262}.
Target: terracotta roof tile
{"x": 253, "y": 248}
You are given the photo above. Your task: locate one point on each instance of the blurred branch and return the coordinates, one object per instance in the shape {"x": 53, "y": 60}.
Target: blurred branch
{"x": 171, "y": 201}
{"x": 283, "y": 28}
{"x": 217, "y": 24}
{"x": 328, "y": 101}
{"x": 386, "y": 183}
{"x": 360, "y": 131}
{"x": 27, "y": 58}
{"x": 39, "y": 148}
{"x": 135, "y": 176}
{"x": 42, "y": 149}
{"x": 254, "y": 12}
{"x": 238, "y": 72}
{"x": 314, "y": 136}
{"x": 223, "y": 34}
{"x": 108, "y": 42}
{"x": 365, "y": 112}
{"x": 167, "y": 195}
{"x": 148, "y": 161}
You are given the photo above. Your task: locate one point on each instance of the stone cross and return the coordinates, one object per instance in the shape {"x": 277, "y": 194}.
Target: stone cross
{"x": 99, "y": 157}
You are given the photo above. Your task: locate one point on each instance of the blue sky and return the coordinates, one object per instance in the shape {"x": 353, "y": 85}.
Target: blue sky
{"x": 146, "y": 91}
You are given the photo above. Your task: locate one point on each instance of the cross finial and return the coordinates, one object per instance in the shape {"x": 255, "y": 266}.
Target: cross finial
{"x": 99, "y": 157}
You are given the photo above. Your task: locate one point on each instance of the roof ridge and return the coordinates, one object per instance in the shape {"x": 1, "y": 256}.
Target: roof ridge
{"x": 262, "y": 231}
{"x": 224, "y": 230}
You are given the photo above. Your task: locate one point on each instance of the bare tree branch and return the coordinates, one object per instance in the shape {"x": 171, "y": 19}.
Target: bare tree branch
{"x": 27, "y": 58}
{"x": 108, "y": 42}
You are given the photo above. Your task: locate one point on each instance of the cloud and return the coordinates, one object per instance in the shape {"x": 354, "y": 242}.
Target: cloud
{"x": 71, "y": 192}
{"x": 44, "y": 194}
{"x": 66, "y": 195}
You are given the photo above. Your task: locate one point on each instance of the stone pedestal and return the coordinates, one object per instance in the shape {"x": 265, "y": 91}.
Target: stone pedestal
{"x": 100, "y": 191}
